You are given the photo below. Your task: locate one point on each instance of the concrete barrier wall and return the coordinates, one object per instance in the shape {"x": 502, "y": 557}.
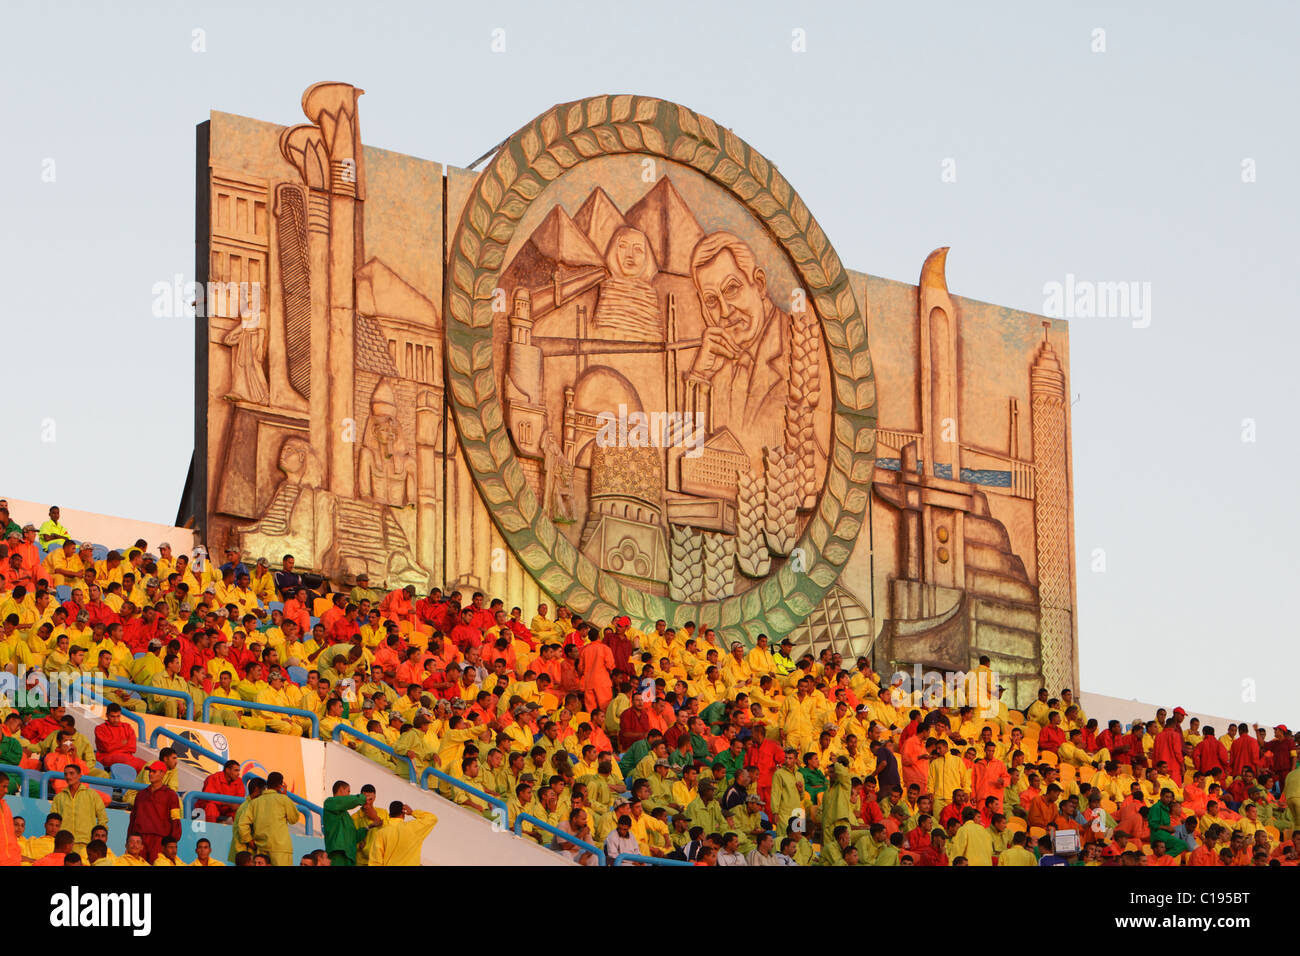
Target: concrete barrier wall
{"x": 112, "y": 532}
{"x": 1125, "y": 711}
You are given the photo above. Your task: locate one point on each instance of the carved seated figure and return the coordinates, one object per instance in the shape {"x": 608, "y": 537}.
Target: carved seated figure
{"x": 299, "y": 519}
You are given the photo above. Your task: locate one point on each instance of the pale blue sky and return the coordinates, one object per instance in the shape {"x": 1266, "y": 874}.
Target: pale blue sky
{"x": 1115, "y": 166}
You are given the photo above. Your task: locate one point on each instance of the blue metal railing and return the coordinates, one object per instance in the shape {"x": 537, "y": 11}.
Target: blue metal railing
{"x": 490, "y": 799}
{"x": 185, "y": 742}
{"x": 270, "y": 708}
{"x": 648, "y": 860}
{"x": 100, "y": 783}
{"x": 143, "y": 689}
{"x": 128, "y": 714}
{"x": 342, "y": 729}
{"x": 566, "y": 837}
{"x": 26, "y": 776}
{"x": 194, "y": 796}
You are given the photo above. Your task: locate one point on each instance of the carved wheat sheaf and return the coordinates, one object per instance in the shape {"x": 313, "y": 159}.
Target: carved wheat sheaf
{"x": 686, "y": 577}
{"x": 295, "y": 279}
{"x": 805, "y": 385}
{"x": 782, "y": 500}
{"x": 719, "y": 566}
{"x": 752, "y": 556}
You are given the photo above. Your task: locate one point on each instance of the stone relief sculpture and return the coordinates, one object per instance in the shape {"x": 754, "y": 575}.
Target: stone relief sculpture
{"x": 744, "y": 353}
{"x": 300, "y": 516}
{"x": 669, "y": 306}
{"x": 248, "y": 377}
{"x": 628, "y": 305}
{"x": 674, "y": 334}
{"x": 386, "y": 472}
{"x": 558, "y": 495}
{"x": 349, "y": 345}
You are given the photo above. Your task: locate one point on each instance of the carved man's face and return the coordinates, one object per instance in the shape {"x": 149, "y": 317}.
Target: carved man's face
{"x": 731, "y": 300}
{"x": 385, "y": 431}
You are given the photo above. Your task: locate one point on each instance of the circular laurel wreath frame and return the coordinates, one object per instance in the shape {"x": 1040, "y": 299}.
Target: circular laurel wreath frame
{"x": 539, "y": 153}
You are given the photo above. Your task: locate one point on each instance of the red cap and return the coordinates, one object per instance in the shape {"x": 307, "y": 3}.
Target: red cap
{"x": 1179, "y": 710}
{"x": 623, "y": 621}
{"x": 1282, "y": 727}
{"x": 156, "y": 765}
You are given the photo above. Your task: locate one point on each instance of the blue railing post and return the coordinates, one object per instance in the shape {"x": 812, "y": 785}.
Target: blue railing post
{"x": 25, "y": 775}
{"x": 143, "y": 689}
{"x": 379, "y": 745}
{"x": 192, "y": 797}
{"x": 99, "y": 783}
{"x": 490, "y": 799}
{"x": 271, "y": 708}
{"x": 177, "y": 738}
{"x": 128, "y": 714}
{"x": 566, "y": 837}
{"x": 648, "y": 860}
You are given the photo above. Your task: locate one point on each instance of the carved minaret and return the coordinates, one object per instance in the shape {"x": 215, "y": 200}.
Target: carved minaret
{"x": 1052, "y": 516}
{"x": 941, "y": 448}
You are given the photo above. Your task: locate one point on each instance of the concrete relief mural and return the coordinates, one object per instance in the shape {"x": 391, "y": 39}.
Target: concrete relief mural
{"x": 664, "y": 405}
{"x": 973, "y": 526}
{"x": 318, "y": 398}
{"x": 651, "y": 394}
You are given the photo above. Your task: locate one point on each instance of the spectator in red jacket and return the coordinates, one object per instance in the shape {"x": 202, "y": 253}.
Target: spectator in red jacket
{"x": 115, "y": 741}
{"x": 1245, "y": 751}
{"x": 1051, "y": 736}
{"x": 1210, "y": 753}
{"x": 634, "y": 723}
{"x": 227, "y": 782}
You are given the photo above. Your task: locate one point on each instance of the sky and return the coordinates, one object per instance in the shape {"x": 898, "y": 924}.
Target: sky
{"x": 1045, "y": 143}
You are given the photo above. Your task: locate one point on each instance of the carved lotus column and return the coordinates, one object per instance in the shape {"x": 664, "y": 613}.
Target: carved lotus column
{"x": 333, "y": 108}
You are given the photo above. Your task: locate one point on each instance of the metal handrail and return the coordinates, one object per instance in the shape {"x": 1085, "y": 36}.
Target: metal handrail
{"x": 129, "y": 714}
{"x": 490, "y": 799}
{"x": 143, "y": 689}
{"x": 272, "y": 708}
{"x": 198, "y": 748}
{"x": 341, "y": 729}
{"x": 649, "y": 860}
{"x": 101, "y": 783}
{"x": 194, "y": 796}
{"x": 567, "y": 837}
{"x": 25, "y": 774}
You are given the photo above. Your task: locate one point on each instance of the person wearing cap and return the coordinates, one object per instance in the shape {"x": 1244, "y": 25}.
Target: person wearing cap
{"x": 782, "y": 660}
{"x": 736, "y": 670}
{"x": 156, "y": 812}
{"x": 274, "y": 693}
{"x": 262, "y": 582}
{"x": 25, "y": 545}
{"x": 362, "y": 591}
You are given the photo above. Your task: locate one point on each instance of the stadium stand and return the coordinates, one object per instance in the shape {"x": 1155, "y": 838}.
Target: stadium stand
{"x": 552, "y": 739}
